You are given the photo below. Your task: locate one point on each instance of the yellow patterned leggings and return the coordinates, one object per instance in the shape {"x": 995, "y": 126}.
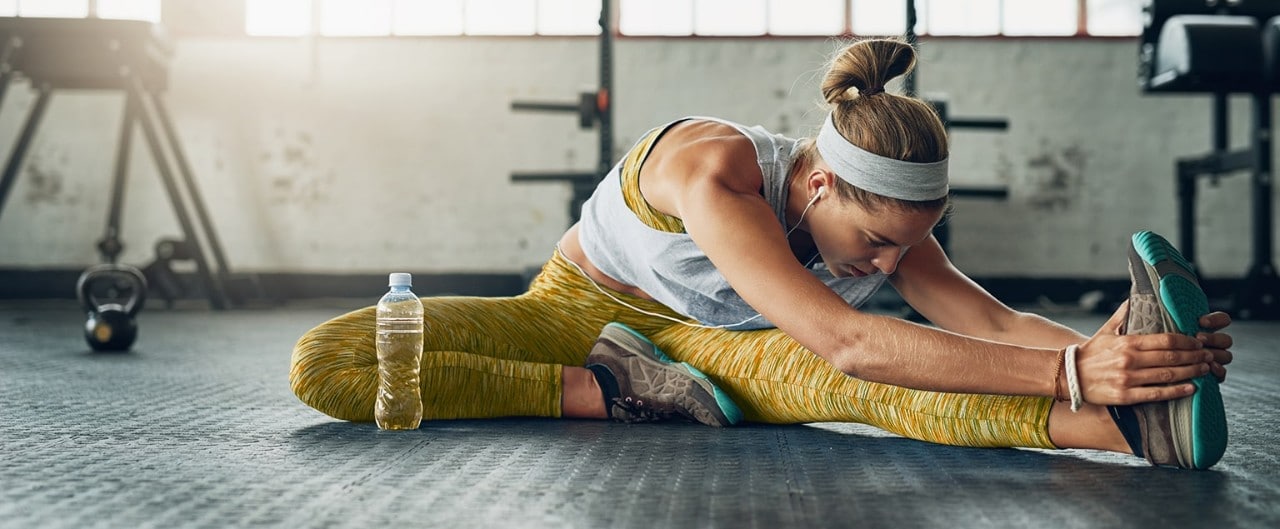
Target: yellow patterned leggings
{"x": 502, "y": 357}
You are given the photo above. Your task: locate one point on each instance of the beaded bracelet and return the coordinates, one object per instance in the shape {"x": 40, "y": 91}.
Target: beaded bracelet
{"x": 1057, "y": 376}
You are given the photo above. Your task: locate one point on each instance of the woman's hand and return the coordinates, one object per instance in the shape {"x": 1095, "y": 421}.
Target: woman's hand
{"x": 1128, "y": 369}
{"x": 1216, "y": 342}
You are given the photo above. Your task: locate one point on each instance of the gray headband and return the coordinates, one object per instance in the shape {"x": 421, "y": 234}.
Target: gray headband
{"x": 878, "y": 174}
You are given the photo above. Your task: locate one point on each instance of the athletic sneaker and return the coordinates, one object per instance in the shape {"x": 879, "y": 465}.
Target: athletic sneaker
{"x": 643, "y": 384}
{"x": 1190, "y": 432}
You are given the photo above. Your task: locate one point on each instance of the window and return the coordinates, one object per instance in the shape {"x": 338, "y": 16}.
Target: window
{"x": 659, "y": 17}
{"x": 355, "y": 17}
{"x": 808, "y": 17}
{"x": 656, "y": 17}
{"x": 1042, "y": 17}
{"x": 962, "y": 17}
{"x": 52, "y": 8}
{"x": 501, "y": 17}
{"x": 1114, "y": 17}
{"x": 882, "y": 18}
{"x": 730, "y": 17}
{"x": 569, "y": 17}
{"x": 120, "y": 9}
{"x": 130, "y": 9}
{"x": 414, "y": 17}
{"x": 287, "y": 18}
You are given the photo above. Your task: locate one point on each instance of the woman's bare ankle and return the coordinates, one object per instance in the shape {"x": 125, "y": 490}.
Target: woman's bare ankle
{"x": 1090, "y": 428}
{"x": 581, "y": 397}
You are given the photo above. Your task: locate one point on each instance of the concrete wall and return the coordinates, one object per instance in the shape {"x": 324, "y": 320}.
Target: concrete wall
{"x": 366, "y": 155}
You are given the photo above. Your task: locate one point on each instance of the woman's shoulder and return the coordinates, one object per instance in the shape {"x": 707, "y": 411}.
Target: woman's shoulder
{"x": 705, "y": 130}
{"x": 705, "y": 145}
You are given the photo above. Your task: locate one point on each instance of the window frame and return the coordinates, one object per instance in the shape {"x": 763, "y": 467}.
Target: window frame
{"x": 1082, "y": 24}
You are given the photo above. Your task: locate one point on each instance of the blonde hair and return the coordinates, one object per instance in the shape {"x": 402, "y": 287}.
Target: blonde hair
{"x": 891, "y": 125}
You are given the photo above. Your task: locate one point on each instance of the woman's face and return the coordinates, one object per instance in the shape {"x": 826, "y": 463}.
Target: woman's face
{"x": 855, "y": 241}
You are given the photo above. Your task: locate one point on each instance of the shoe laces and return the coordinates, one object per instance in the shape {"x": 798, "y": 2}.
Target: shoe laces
{"x": 627, "y": 409}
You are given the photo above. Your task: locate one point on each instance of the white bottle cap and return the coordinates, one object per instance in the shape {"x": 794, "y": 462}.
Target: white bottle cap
{"x": 401, "y": 279}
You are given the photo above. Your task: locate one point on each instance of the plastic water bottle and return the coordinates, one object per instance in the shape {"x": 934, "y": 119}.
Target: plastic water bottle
{"x": 399, "y": 343}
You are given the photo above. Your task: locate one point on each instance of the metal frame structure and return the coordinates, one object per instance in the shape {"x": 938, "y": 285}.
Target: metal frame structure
{"x": 593, "y": 110}
{"x": 128, "y": 55}
{"x": 1222, "y": 48}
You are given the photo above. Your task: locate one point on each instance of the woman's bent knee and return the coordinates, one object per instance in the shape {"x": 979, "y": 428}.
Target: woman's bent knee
{"x": 334, "y": 367}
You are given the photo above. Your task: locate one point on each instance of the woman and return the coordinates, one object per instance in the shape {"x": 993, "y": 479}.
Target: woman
{"x": 744, "y": 255}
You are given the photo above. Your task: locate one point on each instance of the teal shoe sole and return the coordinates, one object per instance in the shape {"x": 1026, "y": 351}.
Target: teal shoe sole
{"x": 726, "y": 404}
{"x": 1209, "y": 422}
{"x": 1185, "y": 303}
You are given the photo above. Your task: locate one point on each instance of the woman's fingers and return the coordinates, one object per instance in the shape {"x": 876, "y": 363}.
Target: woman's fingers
{"x": 1171, "y": 350}
{"x": 1222, "y": 356}
{"x": 1171, "y": 358}
{"x": 1164, "y": 342}
{"x": 1127, "y": 369}
{"x": 1217, "y": 343}
{"x": 1215, "y": 340}
{"x": 1155, "y": 393}
{"x": 1168, "y": 375}
{"x": 1214, "y": 321}
{"x": 1219, "y": 372}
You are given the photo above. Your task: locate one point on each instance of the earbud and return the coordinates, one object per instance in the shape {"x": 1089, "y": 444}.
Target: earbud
{"x": 816, "y": 196}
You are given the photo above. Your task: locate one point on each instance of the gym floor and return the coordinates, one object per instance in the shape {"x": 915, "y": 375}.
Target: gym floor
{"x": 197, "y": 427}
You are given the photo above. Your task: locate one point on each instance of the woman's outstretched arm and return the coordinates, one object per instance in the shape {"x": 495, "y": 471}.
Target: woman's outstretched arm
{"x": 928, "y": 281}
{"x": 736, "y": 228}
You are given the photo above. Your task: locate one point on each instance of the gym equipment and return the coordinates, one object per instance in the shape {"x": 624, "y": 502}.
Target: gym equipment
{"x": 128, "y": 55}
{"x": 942, "y": 231}
{"x": 592, "y": 109}
{"x": 112, "y": 295}
{"x": 159, "y": 272}
{"x": 1221, "y": 47}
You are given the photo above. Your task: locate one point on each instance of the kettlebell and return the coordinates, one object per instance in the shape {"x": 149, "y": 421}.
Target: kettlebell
{"x": 112, "y": 295}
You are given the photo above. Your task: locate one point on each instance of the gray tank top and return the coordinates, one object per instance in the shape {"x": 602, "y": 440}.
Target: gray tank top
{"x": 672, "y": 269}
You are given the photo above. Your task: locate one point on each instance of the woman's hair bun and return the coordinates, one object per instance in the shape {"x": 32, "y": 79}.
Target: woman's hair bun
{"x": 866, "y": 66}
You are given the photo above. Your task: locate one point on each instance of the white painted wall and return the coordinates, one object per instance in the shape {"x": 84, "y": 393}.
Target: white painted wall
{"x": 365, "y": 155}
